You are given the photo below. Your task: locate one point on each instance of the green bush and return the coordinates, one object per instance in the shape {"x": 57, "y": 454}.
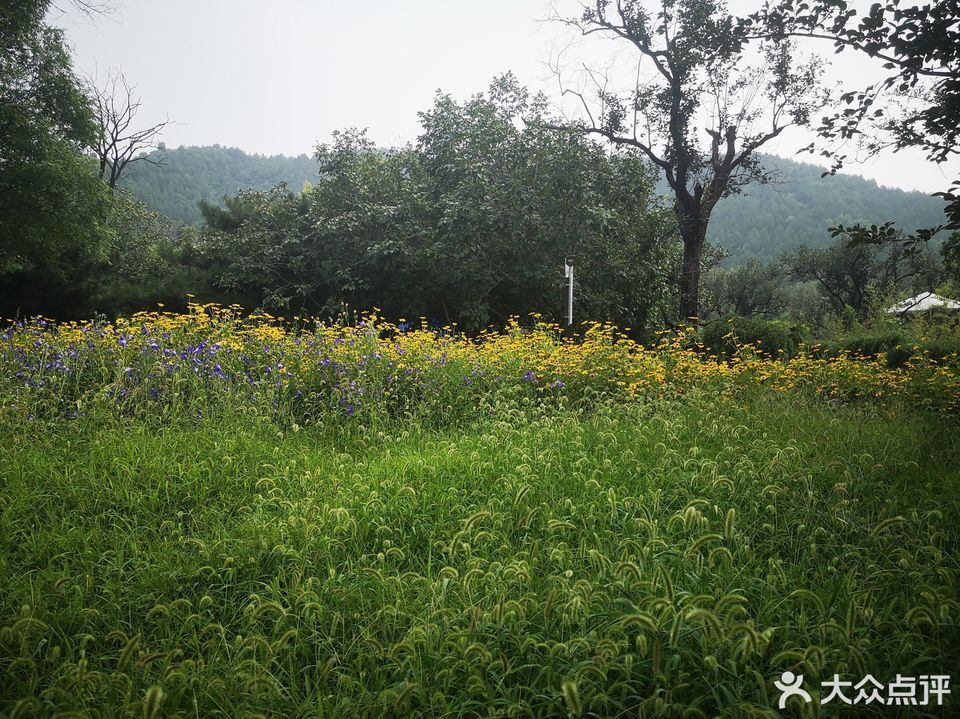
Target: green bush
{"x": 899, "y": 350}
{"x": 945, "y": 350}
{"x": 770, "y": 338}
{"x": 872, "y": 346}
{"x": 897, "y": 357}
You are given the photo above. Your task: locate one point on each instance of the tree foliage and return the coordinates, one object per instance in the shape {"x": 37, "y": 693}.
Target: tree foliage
{"x": 951, "y": 257}
{"x": 748, "y": 290}
{"x": 150, "y": 259}
{"x": 53, "y": 207}
{"x": 470, "y": 226}
{"x": 761, "y": 222}
{"x": 850, "y": 275}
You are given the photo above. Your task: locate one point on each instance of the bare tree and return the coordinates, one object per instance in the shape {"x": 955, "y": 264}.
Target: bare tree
{"x": 118, "y": 144}
{"x": 695, "y": 73}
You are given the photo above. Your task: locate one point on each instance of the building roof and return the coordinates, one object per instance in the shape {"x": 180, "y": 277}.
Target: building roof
{"x": 923, "y": 302}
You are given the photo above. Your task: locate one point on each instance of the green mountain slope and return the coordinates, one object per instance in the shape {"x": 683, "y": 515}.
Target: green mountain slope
{"x": 191, "y": 174}
{"x": 800, "y": 206}
{"x": 761, "y": 223}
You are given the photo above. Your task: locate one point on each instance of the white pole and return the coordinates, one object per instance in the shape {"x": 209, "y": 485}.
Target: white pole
{"x": 570, "y": 295}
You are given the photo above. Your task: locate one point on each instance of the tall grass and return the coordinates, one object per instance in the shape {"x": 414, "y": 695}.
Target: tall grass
{"x": 666, "y": 558}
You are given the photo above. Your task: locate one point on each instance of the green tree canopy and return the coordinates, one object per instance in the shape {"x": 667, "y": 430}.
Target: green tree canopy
{"x": 53, "y": 208}
{"x": 470, "y": 226}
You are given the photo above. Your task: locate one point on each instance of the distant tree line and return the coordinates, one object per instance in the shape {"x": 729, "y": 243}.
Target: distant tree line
{"x": 799, "y": 206}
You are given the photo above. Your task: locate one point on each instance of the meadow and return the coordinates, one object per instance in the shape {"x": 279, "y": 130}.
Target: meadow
{"x": 213, "y": 514}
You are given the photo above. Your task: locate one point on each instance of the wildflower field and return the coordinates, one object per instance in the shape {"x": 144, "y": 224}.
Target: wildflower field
{"x": 218, "y": 515}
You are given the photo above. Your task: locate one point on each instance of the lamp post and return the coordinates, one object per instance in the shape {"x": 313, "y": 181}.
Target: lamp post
{"x": 568, "y": 273}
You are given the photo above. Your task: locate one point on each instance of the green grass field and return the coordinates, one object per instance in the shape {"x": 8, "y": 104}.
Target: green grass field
{"x": 665, "y": 559}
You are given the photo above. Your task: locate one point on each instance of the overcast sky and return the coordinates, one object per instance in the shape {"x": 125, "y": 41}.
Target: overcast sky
{"x": 279, "y": 76}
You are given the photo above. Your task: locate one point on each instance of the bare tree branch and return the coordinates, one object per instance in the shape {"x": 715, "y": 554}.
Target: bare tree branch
{"x": 115, "y": 107}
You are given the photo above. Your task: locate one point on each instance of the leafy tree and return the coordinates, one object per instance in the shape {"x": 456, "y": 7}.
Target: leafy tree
{"x": 951, "y": 256}
{"x": 849, "y": 274}
{"x": 150, "y": 260}
{"x": 343, "y": 240}
{"x": 469, "y": 226}
{"x": 748, "y": 290}
{"x": 53, "y": 208}
{"x": 248, "y": 244}
{"x": 698, "y": 55}
{"x": 843, "y": 274}
{"x": 512, "y": 198}
{"x": 370, "y": 214}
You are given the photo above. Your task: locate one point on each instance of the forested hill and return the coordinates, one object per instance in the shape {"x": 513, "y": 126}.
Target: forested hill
{"x": 762, "y": 223}
{"x": 191, "y": 174}
{"x": 800, "y": 206}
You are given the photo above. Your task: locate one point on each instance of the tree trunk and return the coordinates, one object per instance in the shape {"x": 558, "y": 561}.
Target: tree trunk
{"x": 693, "y": 239}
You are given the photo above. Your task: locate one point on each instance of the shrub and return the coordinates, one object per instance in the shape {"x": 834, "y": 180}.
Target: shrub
{"x": 899, "y": 350}
{"x": 770, "y": 338}
{"x": 943, "y": 350}
{"x": 872, "y": 346}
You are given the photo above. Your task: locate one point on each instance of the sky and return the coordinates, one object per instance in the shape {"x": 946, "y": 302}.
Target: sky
{"x": 279, "y": 76}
